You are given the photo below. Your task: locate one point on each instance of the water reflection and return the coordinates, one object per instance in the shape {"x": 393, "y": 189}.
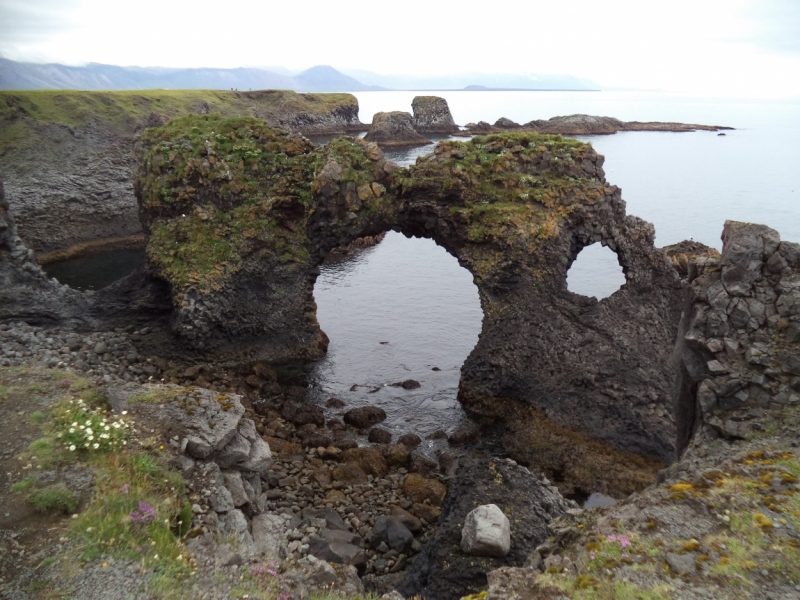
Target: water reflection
{"x": 95, "y": 271}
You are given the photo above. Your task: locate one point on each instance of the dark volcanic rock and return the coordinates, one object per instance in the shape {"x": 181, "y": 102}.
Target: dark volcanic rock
{"x": 432, "y": 115}
{"x": 335, "y": 403}
{"x": 737, "y": 350}
{"x": 529, "y": 502}
{"x": 334, "y": 548}
{"x": 394, "y": 129}
{"x": 392, "y": 532}
{"x": 364, "y": 416}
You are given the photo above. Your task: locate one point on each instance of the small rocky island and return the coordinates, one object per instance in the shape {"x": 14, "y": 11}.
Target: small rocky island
{"x": 679, "y": 395}
{"x": 393, "y": 129}
{"x": 582, "y": 125}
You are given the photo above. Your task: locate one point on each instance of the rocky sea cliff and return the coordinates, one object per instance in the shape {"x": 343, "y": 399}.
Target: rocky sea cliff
{"x": 678, "y": 395}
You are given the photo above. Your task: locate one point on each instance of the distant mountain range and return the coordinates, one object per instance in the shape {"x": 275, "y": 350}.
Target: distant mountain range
{"x": 31, "y": 76}
{"x": 95, "y": 76}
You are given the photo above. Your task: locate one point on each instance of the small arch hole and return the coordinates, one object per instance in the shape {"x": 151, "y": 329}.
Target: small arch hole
{"x": 595, "y": 272}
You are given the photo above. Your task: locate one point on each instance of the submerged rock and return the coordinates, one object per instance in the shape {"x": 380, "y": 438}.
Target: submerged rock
{"x": 394, "y": 129}
{"x": 432, "y": 115}
{"x": 364, "y": 417}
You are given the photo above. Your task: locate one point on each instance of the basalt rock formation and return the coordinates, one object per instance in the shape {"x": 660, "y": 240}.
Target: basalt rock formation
{"x": 394, "y": 129}
{"x": 239, "y": 216}
{"x": 585, "y": 125}
{"x": 738, "y": 351}
{"x": 66, "y": 155}
{"x": 432, "y": 115}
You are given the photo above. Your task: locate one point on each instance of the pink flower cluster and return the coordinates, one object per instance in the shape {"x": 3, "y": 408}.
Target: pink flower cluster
{"x": 264, "y": 576}
{"x": 623, "y": 540}
{"x": 144, "y": 514}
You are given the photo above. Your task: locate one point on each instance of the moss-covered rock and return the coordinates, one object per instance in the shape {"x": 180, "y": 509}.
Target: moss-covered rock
{"x": 240, "y": 215}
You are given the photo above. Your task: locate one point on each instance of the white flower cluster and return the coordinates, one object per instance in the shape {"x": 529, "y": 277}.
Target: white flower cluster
{"x": 84, "y": 428}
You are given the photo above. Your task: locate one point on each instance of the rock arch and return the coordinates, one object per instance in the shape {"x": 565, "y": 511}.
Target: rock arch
{"x": 239, "y": 216}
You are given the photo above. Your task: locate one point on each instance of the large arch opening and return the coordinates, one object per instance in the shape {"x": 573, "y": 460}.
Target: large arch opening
{"x": 595, "y": 272}
{"x": 401, "y": 310}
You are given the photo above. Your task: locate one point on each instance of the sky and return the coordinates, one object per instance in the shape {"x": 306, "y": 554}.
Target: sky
{"x": 735, "y": 47}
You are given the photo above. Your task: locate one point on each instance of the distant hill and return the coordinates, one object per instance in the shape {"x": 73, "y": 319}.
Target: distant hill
{"x": 473, "y": 81}
{"x": 94, "y": 76}
{"x": 328, "y": 79}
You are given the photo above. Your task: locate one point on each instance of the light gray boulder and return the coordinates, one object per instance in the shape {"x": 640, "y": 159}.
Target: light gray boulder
{"x": 486, "y": 532}
{"x": 235, "y": 485}
{"x": 268, "y": 535}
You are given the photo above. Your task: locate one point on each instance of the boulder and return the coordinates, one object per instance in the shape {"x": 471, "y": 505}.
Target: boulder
{"x": 486, "y": 532}
{"x": 396, "y": 455}
{"x": 419, "y": 489}
{"x": 406, "y": 518}
{"x": 409, "y": 440}
{"x": 268, "y": 535}
{"x": 392, "y": 532}
{"x": 336, "y": 550}
{"x": 349, "y": 473}
{"x": 369, "y": 459}
{"x": 378, "y": 435}
{"x": 364, "y": 417}
{"x": 391, "y": 129}
{"x": 432, "y": 115}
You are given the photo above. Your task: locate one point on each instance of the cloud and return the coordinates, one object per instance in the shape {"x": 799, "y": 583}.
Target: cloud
{"x": 35, "y": 21}
{"x": 681, "y": 45}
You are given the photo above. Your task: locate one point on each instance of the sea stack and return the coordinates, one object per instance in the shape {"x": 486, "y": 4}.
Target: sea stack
{"x": 432, "y": 115}
{"x": 394, "y": 129}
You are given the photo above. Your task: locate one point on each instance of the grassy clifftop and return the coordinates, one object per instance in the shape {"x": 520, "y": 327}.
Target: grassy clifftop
{"x": 123, "y": 108}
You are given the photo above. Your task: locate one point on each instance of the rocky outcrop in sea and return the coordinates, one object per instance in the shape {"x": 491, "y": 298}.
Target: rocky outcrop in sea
{"x": 395, "y": 129}
{"x": 584, "y": 125}
{"x": 432, "y": 115}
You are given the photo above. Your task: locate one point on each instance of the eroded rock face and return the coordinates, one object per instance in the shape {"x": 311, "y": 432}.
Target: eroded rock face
{"x": 432, "y": 115}
{"x": 392, "y": 129}
{"x": 26, "y": 293}
{"x": 738, "y": 352}
{"x": 237, "y": 224}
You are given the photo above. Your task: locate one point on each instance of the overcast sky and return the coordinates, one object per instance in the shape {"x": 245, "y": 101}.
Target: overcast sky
{"x": 709, "y": 46}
